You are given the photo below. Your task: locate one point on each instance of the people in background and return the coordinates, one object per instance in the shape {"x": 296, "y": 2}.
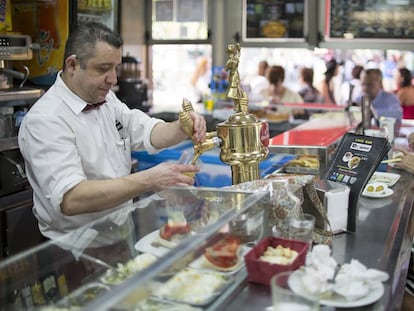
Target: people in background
{"x": 277, "y": 91}
{"x": 259, "y": 85}
{"x": 327, "y": 85}
{"x": 201, "y": 79}
{"x": 351, "y": 90}
{"x": 308, "y": 92}
{"x": 280, "y": 94}
{"x": 407, "y": 163}
{"x": 77, "y": 139}
{"x": 405, "y": 92}
{"x": 383, "y": 104}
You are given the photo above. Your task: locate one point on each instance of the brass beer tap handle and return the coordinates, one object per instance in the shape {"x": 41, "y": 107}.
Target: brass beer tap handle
{"x": 185, "y": 119}
{"x": 188, "y": 126}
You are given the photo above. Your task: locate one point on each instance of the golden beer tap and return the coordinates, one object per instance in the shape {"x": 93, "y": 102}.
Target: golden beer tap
{"x": 211, "y": 140}
{"x": 242, "y": 138}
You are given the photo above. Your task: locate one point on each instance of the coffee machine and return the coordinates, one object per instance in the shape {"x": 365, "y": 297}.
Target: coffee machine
{"x": 132, "y": 90}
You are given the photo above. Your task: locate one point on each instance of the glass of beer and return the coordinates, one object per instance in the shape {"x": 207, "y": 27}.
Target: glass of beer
{"x": 188, "y": 159}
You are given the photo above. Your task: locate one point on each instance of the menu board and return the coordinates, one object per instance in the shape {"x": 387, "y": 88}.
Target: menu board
{"x": 370, "y": 19}
{"x": 354, "y": 162}
{"x": 267, "y": 19}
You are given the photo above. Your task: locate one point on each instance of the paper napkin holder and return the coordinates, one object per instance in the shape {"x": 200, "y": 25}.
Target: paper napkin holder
{"x": 335, "y": 198}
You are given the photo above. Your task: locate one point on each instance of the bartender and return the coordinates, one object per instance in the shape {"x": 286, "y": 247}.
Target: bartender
{"x": 77, "y": 139}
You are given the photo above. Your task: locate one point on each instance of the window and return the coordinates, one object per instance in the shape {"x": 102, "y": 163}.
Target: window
{"x": 179, "y": 20}
{"x": 181, "y": 52}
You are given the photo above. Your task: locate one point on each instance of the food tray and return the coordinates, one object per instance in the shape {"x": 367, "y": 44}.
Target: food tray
{"x": 126, "y": 270}
{"x": 390, "y": 179}
{"x": 159, "y": 305}
{"x": 259, "y": 271}
{"x": 191, "y": 286}
{"x": 301, "y": 170}
{"x": 83, "y": 295}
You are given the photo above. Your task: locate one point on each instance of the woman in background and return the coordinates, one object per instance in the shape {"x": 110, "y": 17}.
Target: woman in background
{"x": 405, "y": 92}
{"x": 351, "y": 90}
{"x": 327, "y": 86}
{"x": 277, "y": 91}
{"x": 280, "y": 94}
{"x": 308, "y": 92}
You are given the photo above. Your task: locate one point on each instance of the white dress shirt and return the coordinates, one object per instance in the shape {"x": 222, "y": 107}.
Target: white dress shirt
{"x": 63, "y": 145}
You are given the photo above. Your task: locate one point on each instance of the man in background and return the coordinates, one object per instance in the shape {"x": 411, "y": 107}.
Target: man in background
{"x": 383, "y": 104}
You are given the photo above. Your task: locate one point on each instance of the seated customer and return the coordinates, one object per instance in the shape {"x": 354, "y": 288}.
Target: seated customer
{"x": 383, "y": 104}
{"x": 405, "y": 92}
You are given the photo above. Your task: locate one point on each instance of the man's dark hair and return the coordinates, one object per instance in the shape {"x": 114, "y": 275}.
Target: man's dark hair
{"x": 82, "y": 41}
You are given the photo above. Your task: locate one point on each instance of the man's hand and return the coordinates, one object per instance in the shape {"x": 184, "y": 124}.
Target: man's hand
{"x": 199, "y": 128}
{"x": 167, "y": 175}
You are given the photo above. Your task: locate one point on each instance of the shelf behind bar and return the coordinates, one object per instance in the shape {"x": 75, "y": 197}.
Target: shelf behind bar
{"x": 15, "y": 94}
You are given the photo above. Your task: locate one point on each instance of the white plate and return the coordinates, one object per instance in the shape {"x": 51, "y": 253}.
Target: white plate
{"x": 376, "y": 195}
{"x": 145, "y": 245}
{"x": 295, "y": 283}
{"x": 390, "y": 179}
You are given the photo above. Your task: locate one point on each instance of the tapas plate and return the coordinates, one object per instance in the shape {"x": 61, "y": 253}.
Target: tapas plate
{"x": 194, "y": 287}
{"x": 390, "y": 179}
{"x": 377, "y": 190}
{"x": 148, "y": 244}
{"x": 202, "y": 264}
{"x": 338, "y": 301}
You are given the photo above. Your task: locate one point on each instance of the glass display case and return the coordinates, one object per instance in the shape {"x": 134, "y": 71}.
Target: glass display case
{"x": 151, "y": 255}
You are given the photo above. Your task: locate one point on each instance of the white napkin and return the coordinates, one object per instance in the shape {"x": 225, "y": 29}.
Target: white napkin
{"x": 355, "y": 280}
{"x": 320, "y": 266}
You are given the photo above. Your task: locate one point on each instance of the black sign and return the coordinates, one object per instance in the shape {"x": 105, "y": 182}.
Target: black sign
{"x": 273, "y": 19}
{"x": 380, "y": 19}
{"x": 355, "y": 160}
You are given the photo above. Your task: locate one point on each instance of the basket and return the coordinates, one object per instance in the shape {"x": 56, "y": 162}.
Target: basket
{"x": 261, "y": 272}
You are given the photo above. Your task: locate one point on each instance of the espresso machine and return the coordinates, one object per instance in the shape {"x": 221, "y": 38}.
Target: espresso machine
{"x": 132, "y": 90}
{"x": 242, "y": 138}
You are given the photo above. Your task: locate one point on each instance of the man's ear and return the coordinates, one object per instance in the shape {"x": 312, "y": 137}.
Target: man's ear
{"x": 71, "y": 62}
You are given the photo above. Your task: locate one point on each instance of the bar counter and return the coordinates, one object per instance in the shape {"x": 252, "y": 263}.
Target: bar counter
{"x": 382, "y": 241}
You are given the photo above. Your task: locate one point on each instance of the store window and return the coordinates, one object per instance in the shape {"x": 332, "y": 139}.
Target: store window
{"x": 180, "y": 71}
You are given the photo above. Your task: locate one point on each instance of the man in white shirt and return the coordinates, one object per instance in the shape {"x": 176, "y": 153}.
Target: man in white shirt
{"x": 77, "y": 139}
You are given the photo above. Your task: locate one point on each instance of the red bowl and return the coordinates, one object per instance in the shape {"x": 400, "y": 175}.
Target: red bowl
{"x": 259, "y": 271}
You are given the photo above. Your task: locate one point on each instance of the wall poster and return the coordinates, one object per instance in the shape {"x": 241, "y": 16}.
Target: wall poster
{"x": 370, "y": 19}
{"x": 268, "y": 20}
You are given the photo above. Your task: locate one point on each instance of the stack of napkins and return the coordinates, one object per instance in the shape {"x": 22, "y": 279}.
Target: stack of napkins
{"x": 353, "y": 281}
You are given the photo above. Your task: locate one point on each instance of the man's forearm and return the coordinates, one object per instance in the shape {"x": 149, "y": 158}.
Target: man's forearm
{"x": 97, "y": 195}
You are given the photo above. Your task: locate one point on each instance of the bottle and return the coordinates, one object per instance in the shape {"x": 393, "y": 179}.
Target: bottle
{"x": 209, "y": 103}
